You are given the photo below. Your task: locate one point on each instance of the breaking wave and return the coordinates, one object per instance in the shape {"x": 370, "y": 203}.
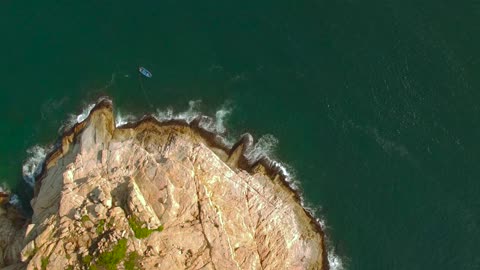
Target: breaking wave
{"x": 221, "y": 116}
{"x": 191, "y": 113}
{"x": 73, "y": 119}
{"x": 86, "y": 111}
{"x": 36, "y": 154}
{"x": 264, "y": 147}
{"x": 33, "y": 165}
{"x": 334, "y": 261}
{"x": 122, "y": 119}
{"x": 214, "y": 124}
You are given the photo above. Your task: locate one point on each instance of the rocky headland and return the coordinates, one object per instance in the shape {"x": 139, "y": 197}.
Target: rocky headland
{"x": 158, "y": 195}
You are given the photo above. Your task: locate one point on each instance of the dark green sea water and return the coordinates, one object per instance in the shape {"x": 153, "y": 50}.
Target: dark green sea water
{"x": 375, "y": 104}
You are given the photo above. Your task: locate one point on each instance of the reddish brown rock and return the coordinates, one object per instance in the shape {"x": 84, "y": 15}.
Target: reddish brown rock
{"x": 4, "y": 198}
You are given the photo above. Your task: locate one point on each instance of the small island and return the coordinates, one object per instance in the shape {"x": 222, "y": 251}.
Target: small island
{"x": 158, "y": 195}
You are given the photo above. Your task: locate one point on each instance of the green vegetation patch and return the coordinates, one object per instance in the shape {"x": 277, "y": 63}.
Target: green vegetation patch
{"x": 133, "y": 261}
{"x": 110, "y": 224}
{"x": 100, "y": 226}
{"x": 44, "y": 263}
{"x": 34, "y": 251}
{"x": 87, "y": 259}
{"x": 109, "y": 260}
{"x": 85, "y": 218}
{"x": 140, "y": 230}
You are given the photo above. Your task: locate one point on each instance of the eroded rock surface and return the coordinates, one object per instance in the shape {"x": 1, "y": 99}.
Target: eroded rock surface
{"x": 162, "y": 196}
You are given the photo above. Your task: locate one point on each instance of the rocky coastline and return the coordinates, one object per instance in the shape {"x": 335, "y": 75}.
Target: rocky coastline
{"x": 152, "y": 194}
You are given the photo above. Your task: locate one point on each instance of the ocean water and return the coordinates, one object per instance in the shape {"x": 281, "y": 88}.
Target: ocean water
{"x": 372, "y": 106}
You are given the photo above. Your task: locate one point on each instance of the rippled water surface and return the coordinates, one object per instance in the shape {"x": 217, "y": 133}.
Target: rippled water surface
{"x": 371, "y": 105}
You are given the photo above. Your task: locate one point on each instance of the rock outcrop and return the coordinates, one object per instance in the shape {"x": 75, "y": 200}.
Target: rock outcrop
{"x": 11, "y": 230}
{"x": 168, "y": 195}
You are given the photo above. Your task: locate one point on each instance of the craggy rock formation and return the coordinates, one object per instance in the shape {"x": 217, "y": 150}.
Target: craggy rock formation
{"x": 168, "y": 195}
{"x": 11, "y": 231}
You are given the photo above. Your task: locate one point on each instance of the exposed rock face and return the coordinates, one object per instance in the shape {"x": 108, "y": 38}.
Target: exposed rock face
{"x": 163, "y": 195}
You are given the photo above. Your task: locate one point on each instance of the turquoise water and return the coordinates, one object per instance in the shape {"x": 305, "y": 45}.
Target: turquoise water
{"x": 374, "y": 103}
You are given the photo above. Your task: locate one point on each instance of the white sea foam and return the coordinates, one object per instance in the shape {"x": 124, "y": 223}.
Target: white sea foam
{"x": 73, "y": 119}
{"x": 289, "y": 173}
{"x": 214, "y": 124}
{"x": 33, "y": 165}
{"x": 192, "y": 112}
{"x": 188, "y": 115}
{"x": 15, "y": 200}
{"x": 36, "y": 154}
{"x": 86, "y": 111}
{"x": 334, "y": 261}
{"x": 264, "y": 147}
{"x": 221, "y": 116}
{"x": 217, "y": 124}
{"x": 121, "y": 120}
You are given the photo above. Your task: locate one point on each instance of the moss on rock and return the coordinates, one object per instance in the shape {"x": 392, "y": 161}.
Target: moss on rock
{"x": 140, "y": 230}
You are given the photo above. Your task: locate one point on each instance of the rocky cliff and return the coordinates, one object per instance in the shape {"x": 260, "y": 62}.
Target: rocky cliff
{"x": 153, "y": 195}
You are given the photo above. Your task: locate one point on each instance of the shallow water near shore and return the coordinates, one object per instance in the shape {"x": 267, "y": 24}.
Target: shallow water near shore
{"x": 372, "y": 106}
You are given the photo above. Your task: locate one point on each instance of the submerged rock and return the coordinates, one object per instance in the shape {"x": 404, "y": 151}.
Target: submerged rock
{"x": 164, "y": 195}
